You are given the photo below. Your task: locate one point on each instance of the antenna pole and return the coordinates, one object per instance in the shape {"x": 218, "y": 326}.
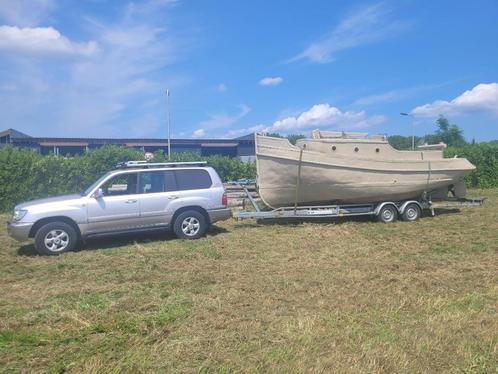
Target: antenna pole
{"x": 169, "y": 124}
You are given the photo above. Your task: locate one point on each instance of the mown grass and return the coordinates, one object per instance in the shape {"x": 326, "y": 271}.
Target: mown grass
{"x": 336, "y": 296}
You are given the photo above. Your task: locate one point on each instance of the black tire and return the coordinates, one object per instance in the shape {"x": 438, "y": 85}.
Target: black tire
{"x": 412, "y": 212}
{"x": 62, "y": 236}
{"x": 190, "y": 224}
{"x": 387, "y": 214}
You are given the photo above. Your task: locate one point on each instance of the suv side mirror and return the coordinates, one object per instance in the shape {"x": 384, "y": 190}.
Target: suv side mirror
{"x": 98, "y": 193}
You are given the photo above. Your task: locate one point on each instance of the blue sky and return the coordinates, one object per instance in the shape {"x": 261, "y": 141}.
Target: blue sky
{"x": 101, "y": 67}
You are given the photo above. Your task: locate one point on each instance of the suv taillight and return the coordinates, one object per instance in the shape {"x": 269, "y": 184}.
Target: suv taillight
{"x": 224, "y": 199}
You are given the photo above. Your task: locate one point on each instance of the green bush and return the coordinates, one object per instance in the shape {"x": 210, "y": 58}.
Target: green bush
{"x": 485, "y": 157}
{"x": 27, "y": 175}
{"x": 229, "y": 169}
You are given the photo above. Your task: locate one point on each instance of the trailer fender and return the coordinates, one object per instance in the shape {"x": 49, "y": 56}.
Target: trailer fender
{"x": 403, "y": 206}
{"x": 381, "y": 205}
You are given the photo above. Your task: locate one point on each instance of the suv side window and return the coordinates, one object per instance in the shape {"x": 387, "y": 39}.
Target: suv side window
{"x": 170, "y": 181}
{"x": 122, "y": 184}
{"x": 157, "y": 181}
{"x": 193, "y": 179}
{"x": 151, "y": 182}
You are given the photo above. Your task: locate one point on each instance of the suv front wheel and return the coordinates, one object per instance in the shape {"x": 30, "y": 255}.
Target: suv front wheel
{"x": 55, "y": 238}
{"x": 190, "y": 224}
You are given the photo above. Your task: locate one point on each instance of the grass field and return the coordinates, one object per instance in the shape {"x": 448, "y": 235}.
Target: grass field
{"x": 348, "y": 295}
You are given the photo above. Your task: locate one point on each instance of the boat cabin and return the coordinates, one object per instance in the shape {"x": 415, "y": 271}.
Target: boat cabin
{"x": 360, "y": 145}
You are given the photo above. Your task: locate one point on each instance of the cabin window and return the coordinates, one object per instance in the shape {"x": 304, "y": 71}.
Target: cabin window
{"x": 356, "y": 149}
{"x": 334, "y": 147}
{"x": 304, "y": 146}
{"x": 377, "y": 150}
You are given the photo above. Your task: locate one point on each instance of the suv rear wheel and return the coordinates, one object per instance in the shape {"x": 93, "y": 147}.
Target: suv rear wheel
{"x": 55, "y": 238}
{"x": 190, "y": 224}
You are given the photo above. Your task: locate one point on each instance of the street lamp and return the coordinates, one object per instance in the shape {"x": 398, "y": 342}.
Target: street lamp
{"x": 413, "y": 128}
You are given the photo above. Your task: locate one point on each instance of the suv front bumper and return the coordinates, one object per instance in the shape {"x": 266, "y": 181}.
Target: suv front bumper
{"x": 18, "y": 230}
{"x": 219, "y": 214}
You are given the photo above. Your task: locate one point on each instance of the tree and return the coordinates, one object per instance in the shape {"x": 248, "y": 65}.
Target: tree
{"x": 293, "y": 138}
{"x": 447, "y": 133}
{"x": 402, "y": 143}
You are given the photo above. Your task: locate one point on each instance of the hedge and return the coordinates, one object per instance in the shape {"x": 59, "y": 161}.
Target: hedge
{"x": 485, "y": 157}
{"x": 25, "y": 174}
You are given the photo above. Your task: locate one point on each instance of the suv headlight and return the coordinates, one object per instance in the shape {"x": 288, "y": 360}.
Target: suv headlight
{"x": 19, "y": 214}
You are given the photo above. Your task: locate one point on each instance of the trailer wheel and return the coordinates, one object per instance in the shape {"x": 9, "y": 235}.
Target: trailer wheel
{"x": 412, "y": 212}
{"x": 387, "y": 214}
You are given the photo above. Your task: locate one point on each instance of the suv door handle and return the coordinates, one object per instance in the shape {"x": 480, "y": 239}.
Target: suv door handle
{"x": 173, "y": 197}
{"x": 131, "y": 201}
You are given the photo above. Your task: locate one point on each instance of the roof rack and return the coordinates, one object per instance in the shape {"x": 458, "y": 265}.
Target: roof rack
{"x": 147, "y": 165}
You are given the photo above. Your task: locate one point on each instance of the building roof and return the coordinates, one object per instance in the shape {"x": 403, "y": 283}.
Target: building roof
{"x": 246, "y": 137}
{"x": 19, "y": 137}
{"x": 14, "y": 134}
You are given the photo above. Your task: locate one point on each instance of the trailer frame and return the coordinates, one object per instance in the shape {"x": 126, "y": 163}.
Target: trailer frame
{"x": 349, "y": 210}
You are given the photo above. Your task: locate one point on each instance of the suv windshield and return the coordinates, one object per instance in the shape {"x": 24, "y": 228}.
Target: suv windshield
{"x": 94, "y": 184}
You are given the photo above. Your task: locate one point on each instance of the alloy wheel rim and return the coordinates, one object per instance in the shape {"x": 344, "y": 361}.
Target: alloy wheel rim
{"x": 388, "y": 215}
{"x": 56, "y": 240}
{"x": 191, "y": 226}
{"x": 411, "y": 213}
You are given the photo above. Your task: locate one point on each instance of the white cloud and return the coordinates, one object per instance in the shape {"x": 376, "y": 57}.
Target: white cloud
{"x": 395, "y": 95}
{"x": 221, "y": 87}
{"x": 483, "y": 98}
{"x": 224, "y": 120}
{"x": 199, "y": 133}
{"x": 269, "y": 81}
{"x": 325, "y": 116}
{"x": 111, "y": 93}
{"x": 25, "y": 12}
{"x": 370, "y": 24}
{"x": 321, "y": 116}
{"x": 42, "y": 41}
{"x": 248, "y": 130}
{"x": 384, "y": 97}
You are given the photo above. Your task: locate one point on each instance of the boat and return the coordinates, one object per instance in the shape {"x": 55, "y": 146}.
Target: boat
{"x": 338, "y": 167}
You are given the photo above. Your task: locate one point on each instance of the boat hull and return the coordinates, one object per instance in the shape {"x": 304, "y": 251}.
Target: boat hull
{"x": 325, "y": 179}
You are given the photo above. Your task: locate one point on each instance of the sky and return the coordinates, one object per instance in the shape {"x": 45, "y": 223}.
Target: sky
{"x": 101, "y": 68}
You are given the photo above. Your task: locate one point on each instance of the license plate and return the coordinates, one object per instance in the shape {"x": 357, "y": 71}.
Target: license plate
{"x": 322, "y": 212}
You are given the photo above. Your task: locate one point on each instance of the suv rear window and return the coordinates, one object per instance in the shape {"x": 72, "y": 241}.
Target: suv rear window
{"x": 192, "y": 179}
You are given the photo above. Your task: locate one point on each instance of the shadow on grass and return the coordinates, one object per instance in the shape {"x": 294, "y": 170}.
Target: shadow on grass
{"x": 300, "y": 221}
{"x": 109, "y": 242}
{"x": 442, "y": 211}
{"x": 341, "y": 220}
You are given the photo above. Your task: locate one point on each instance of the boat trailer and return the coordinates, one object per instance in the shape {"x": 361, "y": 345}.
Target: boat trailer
{"x": 388, "y": 211}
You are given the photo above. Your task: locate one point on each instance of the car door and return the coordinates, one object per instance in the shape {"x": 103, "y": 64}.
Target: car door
{"x": 118, "y": 207}
{"x": 157, "y": 191}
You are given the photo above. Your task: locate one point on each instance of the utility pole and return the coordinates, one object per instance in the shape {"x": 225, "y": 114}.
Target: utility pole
{"x": 169, "y": 124}
{"x": 413, "y": 128}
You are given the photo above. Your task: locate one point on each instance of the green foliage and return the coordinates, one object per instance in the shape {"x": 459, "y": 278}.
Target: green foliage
{"x": 485, "y": 157}
{"x": 403, "y": 143}
{"x": 229, "y": 169}
{"x": 450, "y": 134}
{"x": 27, "y": 175}
{"x": 293, "y": 138}
{"x": 447, "y": 133}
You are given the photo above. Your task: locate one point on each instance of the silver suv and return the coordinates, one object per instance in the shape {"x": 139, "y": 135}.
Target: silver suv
{"x": 138, "y": 196}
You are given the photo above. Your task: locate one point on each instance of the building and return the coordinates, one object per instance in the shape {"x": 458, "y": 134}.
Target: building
{"x": 242, "y": 147}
